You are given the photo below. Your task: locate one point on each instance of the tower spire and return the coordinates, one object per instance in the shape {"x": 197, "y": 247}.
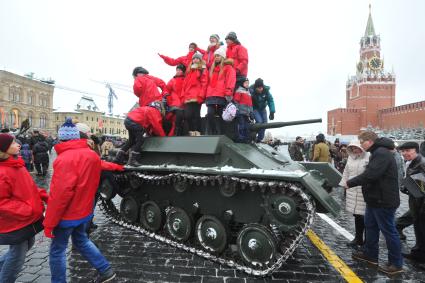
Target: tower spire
{"x": 370, "y": 29}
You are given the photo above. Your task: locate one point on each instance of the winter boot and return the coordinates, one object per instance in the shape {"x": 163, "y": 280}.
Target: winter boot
{"x": 178, "y": 131}
{"x": 134, "y": 159}
{"x": 121, "y": 157}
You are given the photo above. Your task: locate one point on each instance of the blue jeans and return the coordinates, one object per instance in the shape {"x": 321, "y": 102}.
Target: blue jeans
{"x": 382, "y": 219}
{"x": 57, "y": 256}
{"x": 243, "y": 130}
{"x": 260, "y": 117}
{"x": 13, "y": 260}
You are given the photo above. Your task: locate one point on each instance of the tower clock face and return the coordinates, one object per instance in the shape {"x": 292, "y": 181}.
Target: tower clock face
{"x": 375, "y": 63}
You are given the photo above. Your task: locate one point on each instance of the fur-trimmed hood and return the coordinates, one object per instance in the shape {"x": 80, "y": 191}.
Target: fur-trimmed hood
{"x": 355, "y": 143}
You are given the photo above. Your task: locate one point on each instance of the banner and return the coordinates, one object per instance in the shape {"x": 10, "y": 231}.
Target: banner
{"x": 16, "y": 121}
{"x": 100, "y": 123}
{"x": 2, "y": 117}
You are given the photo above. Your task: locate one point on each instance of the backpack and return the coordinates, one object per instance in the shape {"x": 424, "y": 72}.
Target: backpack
{"x": 229, "y": 112}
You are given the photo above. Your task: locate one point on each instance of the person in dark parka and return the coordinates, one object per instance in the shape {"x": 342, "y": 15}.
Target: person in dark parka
{"x": 261, "y": 98}
{"x": 41, "y": 157}
{"x": 416, "y": 165}
{"x": 380, "y": 189}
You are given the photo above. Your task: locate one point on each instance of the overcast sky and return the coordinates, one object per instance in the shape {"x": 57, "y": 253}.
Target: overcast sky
{"x": 304, "y": 50}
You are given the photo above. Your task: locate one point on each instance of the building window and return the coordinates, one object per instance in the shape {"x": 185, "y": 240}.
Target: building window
{"x": 30, "y": 117}
{"x": 30, "y": 99}
{"x": 14, "y": 118}
{"x": 43, "y": 121}
{"x": 87, "y": 118}
{"x": 15, "y": 94}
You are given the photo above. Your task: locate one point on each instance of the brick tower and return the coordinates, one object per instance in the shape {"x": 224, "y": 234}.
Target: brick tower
{"x": 371, "y": 89}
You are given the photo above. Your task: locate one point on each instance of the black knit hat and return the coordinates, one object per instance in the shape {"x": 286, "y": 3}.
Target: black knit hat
{"x": 181, "y": 67}
{"x": 409, "y": 145}
{"x": 259, "y": 83}
{"x": 5, "y": 141}
{"x": 139, "y": 70}
{"x": 232, "y": 36}
{"x": 320, "y": 137}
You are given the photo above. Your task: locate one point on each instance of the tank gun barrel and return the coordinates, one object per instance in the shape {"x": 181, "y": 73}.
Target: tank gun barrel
{"x": 257, "y": 127}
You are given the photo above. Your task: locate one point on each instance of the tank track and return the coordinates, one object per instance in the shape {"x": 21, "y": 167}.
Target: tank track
{"x": 286, "y": 245}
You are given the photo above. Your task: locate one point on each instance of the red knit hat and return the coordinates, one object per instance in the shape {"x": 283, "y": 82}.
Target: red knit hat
{"x": 5, "y": 141}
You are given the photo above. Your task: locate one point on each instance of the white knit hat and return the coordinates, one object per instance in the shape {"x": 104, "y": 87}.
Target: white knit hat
{"x": 221, "y": 51}
{"x": 84, "y": 128}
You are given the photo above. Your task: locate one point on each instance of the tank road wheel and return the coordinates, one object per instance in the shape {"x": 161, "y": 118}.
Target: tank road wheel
{"x": 151, "y": 216}
{"x": 257, "y": 245}
{"x": 106, "y": 190}
{"x": 135, "y": 183}
{"x": 228, "y": 190}
{"x": 283, "y": 209}
{"x": 129, "y": 209}
{"x": 179, "y": 224}
{"x": 211, "y": 234}
{"x": 181, "y": 186}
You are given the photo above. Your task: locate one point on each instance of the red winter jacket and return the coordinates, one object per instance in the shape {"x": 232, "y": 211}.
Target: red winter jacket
{"x": 149, "y": 118}
{"x": 146, "y": 89}
{"x": 222, "y": 82}
{"x": 195, "y": 84}
{"x": 209, "y": 55}
{"x": 239, "y": 54}
{"x": 20, "y": 200}
{"x": 174, "y": 88}
{"x": 185, "y": 60}
{"x": 243, "y": 100}
{"x": 76, "y": 175}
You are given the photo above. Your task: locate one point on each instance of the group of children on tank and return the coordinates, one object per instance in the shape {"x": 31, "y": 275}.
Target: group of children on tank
{"x": 216, "y": 76}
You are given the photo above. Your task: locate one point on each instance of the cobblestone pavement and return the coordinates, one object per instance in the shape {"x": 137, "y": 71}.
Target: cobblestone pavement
{"x": 137, "y": 258}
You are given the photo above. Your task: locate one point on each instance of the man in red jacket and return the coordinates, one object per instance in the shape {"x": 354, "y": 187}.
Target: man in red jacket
{"x": 76, "y": 175}
{"x": 239, "y": 54}
{"x": 146, "y": 119}
{"x": 146, "y": 87}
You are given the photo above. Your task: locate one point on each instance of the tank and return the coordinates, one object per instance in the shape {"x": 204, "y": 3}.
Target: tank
{"x": 243, "y": 205}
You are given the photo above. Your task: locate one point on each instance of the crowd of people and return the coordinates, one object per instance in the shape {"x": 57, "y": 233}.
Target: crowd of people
{"x": 216, "y": 77}
{"x": 374, "y": 172}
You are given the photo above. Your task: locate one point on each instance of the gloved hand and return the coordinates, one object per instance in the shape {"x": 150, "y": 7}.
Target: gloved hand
{"x": 228, "y": 98}
{"x": 48, "y": 232}
{"x": 252, "y": 117}
{"x": 271, "y": 116}
{"x": 404, "y": 190}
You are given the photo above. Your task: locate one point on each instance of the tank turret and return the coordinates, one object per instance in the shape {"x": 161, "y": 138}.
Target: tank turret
{"x": 244, "y": 205}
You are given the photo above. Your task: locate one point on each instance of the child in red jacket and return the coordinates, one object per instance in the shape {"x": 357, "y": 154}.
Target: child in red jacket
{"x": 21, "y": 204}
{"x": 243, "y": 102}
{"x": 76, "y": 176}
